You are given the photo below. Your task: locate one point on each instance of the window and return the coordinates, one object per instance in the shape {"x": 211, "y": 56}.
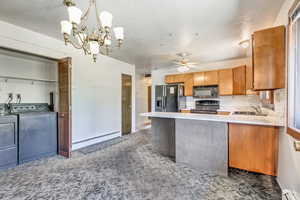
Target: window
{"x": 294, "y": 72}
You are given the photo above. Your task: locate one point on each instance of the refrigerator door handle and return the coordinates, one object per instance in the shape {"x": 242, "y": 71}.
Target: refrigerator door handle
{"x": 165, "y": 104}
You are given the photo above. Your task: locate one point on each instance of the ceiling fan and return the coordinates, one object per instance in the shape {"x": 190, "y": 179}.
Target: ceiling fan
{"x": 184, "y": 63}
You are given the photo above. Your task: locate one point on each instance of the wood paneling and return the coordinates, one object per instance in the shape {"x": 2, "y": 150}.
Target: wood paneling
{"x": 269, "y": 59}
{"x": 199, "y": 79}
{"x": 188, "y": 84}
{"x": 225, "y": 82}
{"x": 64, "y": 118}
{"x": 239, "y": 80}
{"x": 253, "y": 148}
{"x": 126, "y": 103}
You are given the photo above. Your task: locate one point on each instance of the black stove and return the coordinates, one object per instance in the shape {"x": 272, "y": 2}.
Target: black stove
{"x": 206, "y": 107}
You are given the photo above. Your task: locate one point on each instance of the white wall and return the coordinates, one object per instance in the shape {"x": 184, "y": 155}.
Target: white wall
{"x": 141, "y": 100}
{"x": 11, "y": 64}
{"x": 226, "y": 103}
{"x": 289, "y": 159}
{"x": 96, "y": 87}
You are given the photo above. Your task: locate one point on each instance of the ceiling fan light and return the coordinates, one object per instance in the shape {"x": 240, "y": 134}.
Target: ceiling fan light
{"x": 183, "y": 69}
{"x": 66, "y": 27}
{"x": 94, "y": 47}
{"x": 119, "y": 33}
{"x": 106, "y": 19}
{"x": 74, "y": 14}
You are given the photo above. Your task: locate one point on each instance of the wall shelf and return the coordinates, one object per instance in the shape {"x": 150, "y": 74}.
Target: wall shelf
{"x": 27, "y": 79}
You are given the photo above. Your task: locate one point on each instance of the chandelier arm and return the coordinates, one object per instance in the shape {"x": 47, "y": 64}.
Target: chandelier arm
{"x": 87, "y": 11}
{"x": 76, "y": 46}
{"x": 97, "y": 14}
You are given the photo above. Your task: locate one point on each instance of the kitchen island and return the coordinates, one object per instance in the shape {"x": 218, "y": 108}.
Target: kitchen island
{"x": 200, "y": 140}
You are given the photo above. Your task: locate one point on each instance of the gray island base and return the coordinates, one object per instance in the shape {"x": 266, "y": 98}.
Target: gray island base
{"x": 202, "y": 145}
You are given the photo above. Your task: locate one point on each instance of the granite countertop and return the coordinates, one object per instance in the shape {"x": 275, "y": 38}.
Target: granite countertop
{"x": 240, "y": 119}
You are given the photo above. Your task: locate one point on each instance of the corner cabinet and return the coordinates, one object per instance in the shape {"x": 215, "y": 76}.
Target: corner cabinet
{"x": 269, "y": 59}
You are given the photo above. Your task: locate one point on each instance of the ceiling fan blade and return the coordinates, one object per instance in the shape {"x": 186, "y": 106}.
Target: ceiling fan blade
{"x": 192, "y": 63}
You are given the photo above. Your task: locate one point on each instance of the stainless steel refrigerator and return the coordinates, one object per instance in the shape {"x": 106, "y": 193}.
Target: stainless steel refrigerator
{"x": 169, "y": 98}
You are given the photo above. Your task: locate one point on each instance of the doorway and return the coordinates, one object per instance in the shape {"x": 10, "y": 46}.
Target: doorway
{"x": 126, "y": 104}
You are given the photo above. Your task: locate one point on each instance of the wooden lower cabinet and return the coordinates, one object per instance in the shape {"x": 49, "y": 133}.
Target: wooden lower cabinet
{"x": 253, "y": 148}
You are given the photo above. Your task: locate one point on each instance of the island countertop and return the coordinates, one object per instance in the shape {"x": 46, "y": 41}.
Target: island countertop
{"x": 239, "y": 119}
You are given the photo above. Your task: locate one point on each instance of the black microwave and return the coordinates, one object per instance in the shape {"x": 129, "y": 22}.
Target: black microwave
{"x": 206, "y": 91}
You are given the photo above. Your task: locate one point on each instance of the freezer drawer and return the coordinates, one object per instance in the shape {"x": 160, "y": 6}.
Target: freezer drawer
{"x": 8, "y": 141}
{"x": 37, "y": 135}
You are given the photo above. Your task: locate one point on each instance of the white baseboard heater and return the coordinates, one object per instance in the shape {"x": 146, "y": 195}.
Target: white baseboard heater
{"x": 288, "y": 195}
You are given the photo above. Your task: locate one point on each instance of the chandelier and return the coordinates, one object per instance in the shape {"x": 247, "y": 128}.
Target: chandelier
{"x": 92, "y": 41}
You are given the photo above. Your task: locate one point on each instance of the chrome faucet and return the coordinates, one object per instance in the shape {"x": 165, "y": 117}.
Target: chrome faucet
{"x": 257, "y": 109}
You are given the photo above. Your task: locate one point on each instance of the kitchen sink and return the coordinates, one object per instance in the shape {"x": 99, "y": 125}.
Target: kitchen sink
{"x": 249, "y": 113}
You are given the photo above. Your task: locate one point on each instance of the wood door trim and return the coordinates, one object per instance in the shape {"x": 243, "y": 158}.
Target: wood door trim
{"x": 122, "y": 108}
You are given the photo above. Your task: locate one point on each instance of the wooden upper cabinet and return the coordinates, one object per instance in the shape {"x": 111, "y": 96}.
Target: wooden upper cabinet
{"x": 188, "y": 84}
{"x": 225, "y": 82}
{"x": 239, "y": 80}
{"x": 187, "y": 79}
{"x": 211, "y": 78}
{"x": 269, "y": 59}
{"x": 206, "y": 78}
{"x": 199, "y": 78}
{"x": 176, "y": 78}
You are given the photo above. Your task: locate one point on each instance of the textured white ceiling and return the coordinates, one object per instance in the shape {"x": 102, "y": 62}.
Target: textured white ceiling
{"x": 155, "y": 30}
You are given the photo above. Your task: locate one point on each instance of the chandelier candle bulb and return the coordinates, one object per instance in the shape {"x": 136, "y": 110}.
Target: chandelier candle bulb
{"x": 66, "y": 27}
{"x": 119, "y": 33}
{"x": 94, "y": 47}
{"x": 74, "y": 14}
{"x": 107, "y": 42}
{"x": 106, "y": 19}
